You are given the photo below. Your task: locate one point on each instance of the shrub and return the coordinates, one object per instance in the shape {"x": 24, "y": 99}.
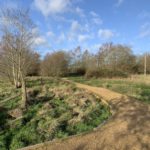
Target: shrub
{"x": 77, "y": 72}
{"x": 145, "y": 95}
{"x": 92, "y": 73}
{"x": 105, "y": 73}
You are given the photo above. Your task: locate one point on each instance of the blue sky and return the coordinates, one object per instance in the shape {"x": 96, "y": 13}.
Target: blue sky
{"x": 66, "y": 24}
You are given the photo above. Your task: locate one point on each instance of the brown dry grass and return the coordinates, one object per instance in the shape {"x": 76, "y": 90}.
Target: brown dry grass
{"x": 128, "y": 129}
{"x": 134, "y": 79}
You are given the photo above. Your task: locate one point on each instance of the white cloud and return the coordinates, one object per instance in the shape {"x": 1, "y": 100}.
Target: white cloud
{"x": 56, "y": 38}
{"x": 145, "y": 30}
{"x": 87, "y": 27}
{"x": 80, "y": 12}
{"x": 95, "y": 18}
{"x": 94, "y": 14}
{"x": 75, "y": 26}
{"x": 83, "y": 37}
{"x": 96, "y": 46}
{"x": 61, "y": 38}
{"x": 78, "y": 32}
{"x": 105, "y": 33}
{"x": 35, "y": 30}
{"x": 50, "y": 34}
{"x": 40, "y": 41}
{"x": 97, "y": 21}
{"x": 145, "y": 25}
{"x": 81, "y": 32}
{"x": 144, "y": 14}
{"x": 52, "y": 7}
{"x": 119, "y": 2}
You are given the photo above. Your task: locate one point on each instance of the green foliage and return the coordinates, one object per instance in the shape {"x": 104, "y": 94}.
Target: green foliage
{"x": 107, "y": 73}
{"x": 97, "y": 115}
{"x": 12, "y": 103}
{"x": 61, "y": 134}
{"x": 2, "y": 142}
{"x": 93, "y": 119}
{"x": 78, "y": 128}
{"x": 145, "y": 95}
{"x": 3, "y": 118}
{"x": 31, "y": 112}
{"x": 51, "y": 108}
{"x": 24, "y": 137}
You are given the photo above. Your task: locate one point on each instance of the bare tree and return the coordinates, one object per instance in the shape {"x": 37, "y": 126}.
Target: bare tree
{"x": 116, "y": 57}
{"x": 34, "y": 69}
{"x": 16, "y": 47}
{"x": 143, "y": 63}
{"x": 55, "y": 64}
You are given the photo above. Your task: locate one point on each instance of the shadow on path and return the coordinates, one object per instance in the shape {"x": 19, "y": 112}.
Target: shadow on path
{"x": 127, "y": 129}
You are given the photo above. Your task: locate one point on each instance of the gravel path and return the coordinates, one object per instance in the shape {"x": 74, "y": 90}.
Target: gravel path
{"x": 127, "y": 129}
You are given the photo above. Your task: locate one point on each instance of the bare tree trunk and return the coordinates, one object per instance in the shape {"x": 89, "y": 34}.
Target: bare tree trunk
{"x": 14, "y": 77}
{"x": 17, "y": 48}
{"x": 24, "y": 95}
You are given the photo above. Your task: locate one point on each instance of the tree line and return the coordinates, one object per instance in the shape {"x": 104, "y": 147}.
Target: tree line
{"x": 18, "y": 58}
{"x": 111, "y": 60}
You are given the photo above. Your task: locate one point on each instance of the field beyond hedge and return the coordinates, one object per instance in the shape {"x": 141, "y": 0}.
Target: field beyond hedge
{"x": 56, "y": 109}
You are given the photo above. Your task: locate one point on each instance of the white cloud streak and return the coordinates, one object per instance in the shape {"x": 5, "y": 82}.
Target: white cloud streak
{"x": 144, "y": 14}
{"x": 52, "y": 7}
{"x": 94, "y": 14}
{"x": 119, "y": 3}
{"x": 145, "y": 30}
{"x": 75, "y": 26}
{"x": 38, "y": 41}
{"x": 95, "y": 18}
{"x": 80, "y": 12}
{"x": 83, "y": 37}
{"x": 105, "y": 33}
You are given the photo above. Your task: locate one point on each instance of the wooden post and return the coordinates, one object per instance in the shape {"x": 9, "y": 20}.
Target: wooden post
{"x": 145, "y": 64}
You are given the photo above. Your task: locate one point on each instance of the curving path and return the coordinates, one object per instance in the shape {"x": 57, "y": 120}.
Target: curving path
{"x": 127, "y": 129}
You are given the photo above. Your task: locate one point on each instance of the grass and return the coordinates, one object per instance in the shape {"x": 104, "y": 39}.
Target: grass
{"x": 137, "y": 86}
{"x": 56, "y": 109}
